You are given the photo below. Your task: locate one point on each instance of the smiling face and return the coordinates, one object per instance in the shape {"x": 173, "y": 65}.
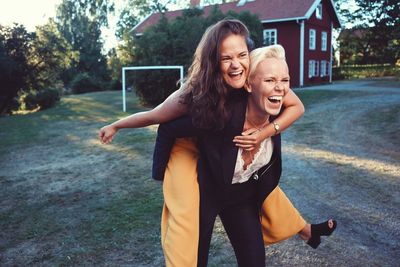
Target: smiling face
{"x": 268, "y": 85}
{"x": 234, "y": 61}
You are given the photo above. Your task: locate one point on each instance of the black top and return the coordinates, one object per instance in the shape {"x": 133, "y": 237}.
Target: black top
{"x": 218, "y": 153}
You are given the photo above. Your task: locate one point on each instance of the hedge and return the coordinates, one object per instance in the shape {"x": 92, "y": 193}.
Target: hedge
{"x": 42, "y": 99}
{"x": 365, "y": 71}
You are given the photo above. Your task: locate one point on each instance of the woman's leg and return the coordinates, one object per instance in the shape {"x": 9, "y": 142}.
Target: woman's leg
{"x": 242, "y": 224}
{"x": 180, "y": 218}
{"x": 280, "y": 220}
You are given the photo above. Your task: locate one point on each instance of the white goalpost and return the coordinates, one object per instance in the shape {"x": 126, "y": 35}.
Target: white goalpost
{"x": 144, "y": 68}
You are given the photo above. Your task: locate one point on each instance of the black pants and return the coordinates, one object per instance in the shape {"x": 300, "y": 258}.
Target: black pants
{"x": 237, "y": 208}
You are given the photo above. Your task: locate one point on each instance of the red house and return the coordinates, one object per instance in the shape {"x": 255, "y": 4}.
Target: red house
{"x": 303, "y": 27}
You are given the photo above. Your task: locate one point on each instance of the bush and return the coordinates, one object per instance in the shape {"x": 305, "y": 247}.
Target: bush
{"x": 364, "y": 71}
{"x": 115, "y": 85}
{"x": 42, "y": 99}
{"x": 154, "y": 86}
{"x": 84, "y": 83}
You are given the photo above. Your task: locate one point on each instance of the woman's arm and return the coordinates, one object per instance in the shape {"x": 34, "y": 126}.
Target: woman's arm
{"x": 168, "y": 110}
{"x": 294, "y": 109}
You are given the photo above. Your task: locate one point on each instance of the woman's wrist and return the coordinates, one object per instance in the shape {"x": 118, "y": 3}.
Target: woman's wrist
{"x": 267, "y": 131}
{"x": 277, "y": 127}
{"x": 115, "y": 126}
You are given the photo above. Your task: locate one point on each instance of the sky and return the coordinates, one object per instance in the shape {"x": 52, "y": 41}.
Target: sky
{"x": 32, "y": 13}
{"x": 36, "y": 12}
{"x": 27, "y": 12}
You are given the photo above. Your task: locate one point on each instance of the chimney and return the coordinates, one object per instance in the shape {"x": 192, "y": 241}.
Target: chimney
{"x": 194, "y": 3}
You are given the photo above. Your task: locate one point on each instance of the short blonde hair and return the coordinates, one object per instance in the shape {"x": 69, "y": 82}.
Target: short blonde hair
{"x": 259, "y": 54}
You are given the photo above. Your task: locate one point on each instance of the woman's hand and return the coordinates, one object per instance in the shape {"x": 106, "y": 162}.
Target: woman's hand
{"x": 248, "y": 140}
{"x": 107, "y": 133}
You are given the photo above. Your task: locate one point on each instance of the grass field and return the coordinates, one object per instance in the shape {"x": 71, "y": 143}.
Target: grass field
{"x": 67, "y": 200}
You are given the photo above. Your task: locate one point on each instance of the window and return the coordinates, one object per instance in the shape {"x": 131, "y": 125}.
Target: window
{"x": 312, "y": 39}
{"x": 318, "y": 11}
{"x": 270, "y": 37}
{"x": 328, "y": 68}
{"x": 313, "y": 68}
{"x": 316, "y": 69}
{"x": 324, "y": 39}
{"x": 323, "y": 68}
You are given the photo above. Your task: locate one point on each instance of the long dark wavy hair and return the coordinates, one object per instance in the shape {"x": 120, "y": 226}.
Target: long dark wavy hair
{"x": 206, "y": 92}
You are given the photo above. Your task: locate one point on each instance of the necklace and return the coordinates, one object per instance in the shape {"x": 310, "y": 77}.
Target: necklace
{"x": 248, "y": 155}
{"x": 252, "y": 124}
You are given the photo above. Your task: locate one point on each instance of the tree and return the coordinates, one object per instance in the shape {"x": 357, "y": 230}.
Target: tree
{"x": 51, "y": 55}
{"x": 136, "y": 10}
{"x": 80, "y": 22}
{"x": 30, "y": 63}
{"x": 15, "y": 71}
{"x": 380, "y": 22}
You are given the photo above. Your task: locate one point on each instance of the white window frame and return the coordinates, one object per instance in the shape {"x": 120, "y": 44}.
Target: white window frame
{"x": 312, "y": 39}
{"x": 318, "y": 11}
{"x": 323, "y": 68}
{"x": 324, "y": 41}
{"x": 311, "y": 68}
{"x": 271, "y": 34}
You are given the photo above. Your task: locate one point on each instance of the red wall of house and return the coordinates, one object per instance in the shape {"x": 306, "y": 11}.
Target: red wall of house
{"x": 288, "y": 35}
{"x": 319, "y": 25}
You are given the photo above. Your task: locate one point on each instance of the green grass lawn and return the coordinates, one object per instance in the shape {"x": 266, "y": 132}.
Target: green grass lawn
{"x": 67, "y": 200}
{"x": 101, "y": 107}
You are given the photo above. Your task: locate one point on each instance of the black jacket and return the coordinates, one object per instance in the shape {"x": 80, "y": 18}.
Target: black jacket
{"x": 217, "y": 159}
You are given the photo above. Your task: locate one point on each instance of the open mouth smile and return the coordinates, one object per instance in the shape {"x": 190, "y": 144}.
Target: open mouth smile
{"x": 275, "y": 99}
{"x": 236, "y": 74}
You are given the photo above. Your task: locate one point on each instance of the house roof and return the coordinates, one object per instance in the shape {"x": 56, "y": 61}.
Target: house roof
{"x": 267, "y": 11}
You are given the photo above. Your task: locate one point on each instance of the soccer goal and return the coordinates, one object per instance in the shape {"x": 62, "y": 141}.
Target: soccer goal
{"x": 124, "y": 69}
